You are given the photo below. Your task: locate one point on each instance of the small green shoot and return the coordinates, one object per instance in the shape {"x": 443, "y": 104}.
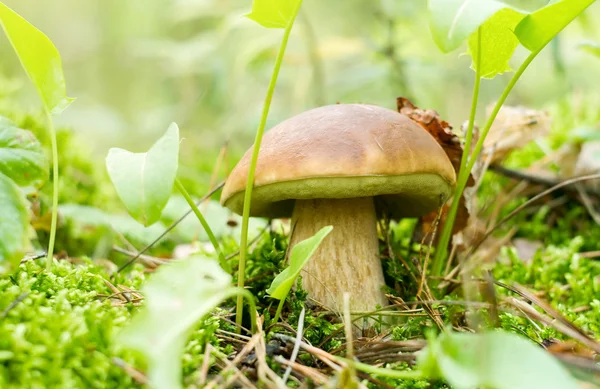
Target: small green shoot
{"x": 268, "y": 13}
{"x": 499, "y": 360}
{"x": 299, "y": 257}
{"x": 177, "y": 296}
{"x": 22, "y": 164}
{"x": 534, "y": 31}
{"x": 144, "y": 181}
{"x": 43, "y": 65}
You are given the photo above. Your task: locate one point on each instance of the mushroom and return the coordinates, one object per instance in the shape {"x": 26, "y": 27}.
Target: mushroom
{"x": 343, "y": 165}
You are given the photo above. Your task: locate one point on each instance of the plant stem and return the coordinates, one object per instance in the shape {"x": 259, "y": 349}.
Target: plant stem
{"x": 404, "y": 375}
{"x": 438, "y": 263}
{"x": 257, "y": 141}
{"x": 279, "y": 309}
{"x": 202, "y": 220}
{"x": 442, "y": 249}
{"x": 54, "y": 221}
{"x": 241, "y": 293}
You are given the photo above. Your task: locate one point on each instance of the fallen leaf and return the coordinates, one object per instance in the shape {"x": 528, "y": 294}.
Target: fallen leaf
{"x": 514, "y": 127}
{"x": 450, "y": 143}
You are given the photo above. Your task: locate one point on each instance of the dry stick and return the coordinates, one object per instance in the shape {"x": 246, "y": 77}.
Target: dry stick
{"x": 296, "y": 346}
{"x": 205, "y": 366}
{"x": 523, "y": 206}
{"x": 137, "y": 375}
{"x": 554, "y": 313}
{"x": 264, "y": 370}
{"x": 13, "y": 304}
{"x": 538, "y": 180}
{"x": 306, "y": 371}
{"x": 324, "y": 356}
{"x": 550, "y": 322}
{"x": 587, "y": 203}
{"x": 173, "y": 225}
{"x": 146, "y": 258}
{"x": 433, "y": 232}
{"x": 233, "y": 364}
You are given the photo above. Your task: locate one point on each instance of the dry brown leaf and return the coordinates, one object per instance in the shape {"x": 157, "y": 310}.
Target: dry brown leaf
{"x": 442, "y": 133}
{"x": 514, "y": 127}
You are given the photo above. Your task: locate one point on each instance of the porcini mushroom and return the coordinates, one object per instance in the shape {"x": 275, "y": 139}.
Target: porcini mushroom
{"x": 343, "y": 165}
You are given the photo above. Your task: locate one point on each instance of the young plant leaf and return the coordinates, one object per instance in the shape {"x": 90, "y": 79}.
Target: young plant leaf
{"x": 177, "y": 296}
{"x": 537, "y": 29}
{"x": 498, "y": 43}
{"x": 299, "y": 256}
{"x": 39, "y": 58}
{"x": 273, "y": 13}
{"x": 453, "y": 21}
{"x": 144, "y": 181}
{"x": 22, "y": 158}
{"x": 14, "y": 220}
{"x": 498, "y": 360}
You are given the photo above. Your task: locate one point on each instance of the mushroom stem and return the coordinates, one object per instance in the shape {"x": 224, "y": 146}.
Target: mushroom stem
{"x": 348, "y": 259}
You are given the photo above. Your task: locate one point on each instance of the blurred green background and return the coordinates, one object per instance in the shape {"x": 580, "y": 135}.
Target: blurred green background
{"x": 137, "y": 65}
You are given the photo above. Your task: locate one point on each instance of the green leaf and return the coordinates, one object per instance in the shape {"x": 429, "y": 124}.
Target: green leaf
{"x": 452, "y": 21}
{"x": 299, "y": 257}
{"x": 39, "y": 58}
{"x": 498, "y": 360}
{"x": 592, "y": 47}
{"x": 176, "y": 297}
{"x": 14, "y": 220}
{"x": 537, "y": 29}
{"x": 273, "y": 13}
{"x": 22, "y": 157}
{"x": 498, "y": 43}
{"x": 144, "y": 181}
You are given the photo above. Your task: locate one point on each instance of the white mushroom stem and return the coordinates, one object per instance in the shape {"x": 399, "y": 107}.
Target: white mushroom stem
{"x": 348, "y": 258}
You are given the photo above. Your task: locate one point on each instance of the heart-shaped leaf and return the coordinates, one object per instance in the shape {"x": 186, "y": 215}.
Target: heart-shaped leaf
{"x": 144, "y": 181}
{"x": 498, "y": 360}
{"x": 537, "y": 29}
{"x": 453, "y": 21}
{"x": 176, "y": 297}
{"x": 14, "y": 220}
{"x": 498, "y": 43}
{"x": 299, "y": 256}
{"x": 39, "y": 58}
{"x": 22, "y": 157}
{"x": 273, "y": 13}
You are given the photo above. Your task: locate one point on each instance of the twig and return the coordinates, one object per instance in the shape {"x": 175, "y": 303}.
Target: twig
{"x": 538, "y": 180}
{"x": 15, "y": 302}
{"x": 306, "y": 371}
{"x": 146, "y": 258}
{"x": 34, "y": 257}
{"x": 137, "y": 375}
{"x": 296, "y": 346}
{"x": 528, "y": 203}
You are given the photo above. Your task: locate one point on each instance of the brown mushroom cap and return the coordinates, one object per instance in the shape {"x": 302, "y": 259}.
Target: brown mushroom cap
{"x": 345, "y": 151}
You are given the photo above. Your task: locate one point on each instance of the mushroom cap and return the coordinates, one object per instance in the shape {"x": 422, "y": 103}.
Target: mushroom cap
{"x": 345, "y": 151}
